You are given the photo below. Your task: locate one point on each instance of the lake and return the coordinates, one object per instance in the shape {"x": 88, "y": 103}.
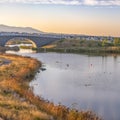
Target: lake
{"x": 80, "y": 81}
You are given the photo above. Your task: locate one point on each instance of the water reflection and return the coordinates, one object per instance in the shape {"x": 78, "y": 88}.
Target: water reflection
{"x": 80, "y": 81}
{"x": 21, "y": 51}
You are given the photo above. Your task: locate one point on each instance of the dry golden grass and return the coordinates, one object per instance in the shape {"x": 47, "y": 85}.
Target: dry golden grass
{"x": 49, "y": 46}
{"x": 12, "y": 105}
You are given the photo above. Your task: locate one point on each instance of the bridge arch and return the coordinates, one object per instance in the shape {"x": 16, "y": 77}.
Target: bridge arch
{"x": 22, "y": 39}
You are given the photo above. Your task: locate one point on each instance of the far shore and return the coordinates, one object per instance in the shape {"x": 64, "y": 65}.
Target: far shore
{"x": 87, "y": 51}
{"x": 80, "y": 46}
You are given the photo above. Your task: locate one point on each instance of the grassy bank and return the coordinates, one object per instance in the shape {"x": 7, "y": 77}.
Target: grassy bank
{"x": 82, "y": 46}
{"x": 83, "y": 50}
{"x": 17, "y": 101}
{"x": 14, "y": 82}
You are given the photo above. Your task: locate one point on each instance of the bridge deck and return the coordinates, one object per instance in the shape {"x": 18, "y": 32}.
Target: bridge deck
{"x": 38, "y": 40}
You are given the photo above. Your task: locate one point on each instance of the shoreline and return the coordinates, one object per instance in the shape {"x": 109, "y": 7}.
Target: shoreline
{"x": 14, "y": 84}
{"x": 83, "y": 50}
{"x": 17, "y": 84}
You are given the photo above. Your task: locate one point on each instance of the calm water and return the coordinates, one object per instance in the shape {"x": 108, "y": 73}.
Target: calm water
{"x": 80, "y": 81}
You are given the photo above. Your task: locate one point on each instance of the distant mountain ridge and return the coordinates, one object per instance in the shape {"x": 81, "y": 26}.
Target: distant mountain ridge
{"x": 5, "y": 28}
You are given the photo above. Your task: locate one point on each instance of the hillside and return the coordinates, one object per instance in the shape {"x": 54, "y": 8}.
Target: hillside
{"x": 5, "y": 28}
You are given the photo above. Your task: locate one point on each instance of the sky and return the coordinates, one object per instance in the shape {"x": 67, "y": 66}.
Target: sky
{"x": 89, "y": 17}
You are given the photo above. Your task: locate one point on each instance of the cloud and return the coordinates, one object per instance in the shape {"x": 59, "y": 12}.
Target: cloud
{"x": 102, "y": 2}
{"x": 67, "y": 2}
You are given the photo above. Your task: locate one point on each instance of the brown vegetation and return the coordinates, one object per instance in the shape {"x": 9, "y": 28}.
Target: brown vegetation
{"x": 14, "y": 81}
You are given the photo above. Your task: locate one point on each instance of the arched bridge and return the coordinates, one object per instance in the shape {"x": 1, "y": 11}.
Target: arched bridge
{"x": 39, "y": 41}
